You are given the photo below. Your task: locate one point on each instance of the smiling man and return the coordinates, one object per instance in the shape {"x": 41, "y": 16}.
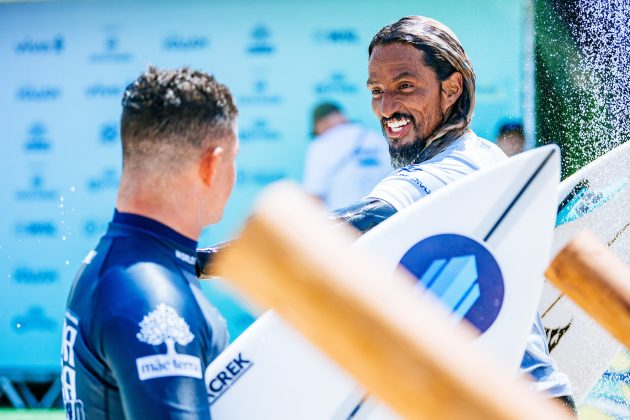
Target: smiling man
{"x": 423, "y": 92}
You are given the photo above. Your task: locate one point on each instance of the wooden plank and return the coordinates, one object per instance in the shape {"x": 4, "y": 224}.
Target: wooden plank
{"x": 401, "y": 347}
{"x": 593, "y": 277}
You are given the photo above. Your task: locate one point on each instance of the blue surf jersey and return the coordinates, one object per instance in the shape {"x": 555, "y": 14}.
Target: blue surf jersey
{"x": 138, "y": 333}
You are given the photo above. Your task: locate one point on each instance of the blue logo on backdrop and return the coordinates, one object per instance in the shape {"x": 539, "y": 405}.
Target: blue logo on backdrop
{"x": 38, "y": 94}
{"x": 40, "y": 46}
{"x": 36, "y": 228}
{"x": 36, "y": 190}
{"x": 35, "y": 319}
{"x": 100, "y": 90}
{"x": 35, "y": 276}
{"x": 185, "y": 43}
{"x": 37, "y": 141}
{"x": 260, "y": 178}
{"x": 259, "y": 131}
{"x": 260, "y": 95}
{"x": 109, "y": 133}
{"x": 336, "y": 84}
{"x": 108, "y": 180}
{"x": 111, "y": 52}
{"x": 337, "y": 36}
{"x": 260, "y": 43}
{"x": 93, "y": 227}
{"x": 462, "y": 273}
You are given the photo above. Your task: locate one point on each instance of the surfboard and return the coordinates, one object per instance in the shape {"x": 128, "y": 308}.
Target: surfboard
{"x": 597, "y": 198}
{"x": 464, "y": 243}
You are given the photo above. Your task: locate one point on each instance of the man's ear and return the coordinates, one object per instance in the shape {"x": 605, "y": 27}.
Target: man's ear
{"x": 452, "y": 89}
{"x": 209, "y": 165}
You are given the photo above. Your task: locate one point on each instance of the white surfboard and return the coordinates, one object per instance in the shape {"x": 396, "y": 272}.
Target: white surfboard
{"x": 464, "y": 243}
{"x": 597, "y": 198}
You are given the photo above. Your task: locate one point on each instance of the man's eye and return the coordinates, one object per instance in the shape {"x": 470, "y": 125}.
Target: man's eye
{"x": 406, "y": 85}
{"x": 376, "y": 91}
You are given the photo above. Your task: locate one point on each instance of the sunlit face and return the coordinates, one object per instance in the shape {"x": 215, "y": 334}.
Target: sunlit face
{"x": 406, "y": 98}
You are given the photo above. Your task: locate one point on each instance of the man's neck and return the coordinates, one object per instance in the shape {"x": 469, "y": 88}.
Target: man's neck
{"x": 170, "y": 205}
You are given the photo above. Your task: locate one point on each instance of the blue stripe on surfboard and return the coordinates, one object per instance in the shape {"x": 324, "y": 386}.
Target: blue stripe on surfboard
{"x": 455, "y": 280}
{"x": 463, "y": 306}
{"x": 519, "y": 195}
{"x": 432, "y": 272}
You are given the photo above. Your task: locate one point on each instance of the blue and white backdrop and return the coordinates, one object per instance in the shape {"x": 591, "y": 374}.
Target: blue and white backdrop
{"x": 63, "y": 68}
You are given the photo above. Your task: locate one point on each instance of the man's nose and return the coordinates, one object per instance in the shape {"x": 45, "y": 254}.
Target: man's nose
{"x": 389, "y": 105}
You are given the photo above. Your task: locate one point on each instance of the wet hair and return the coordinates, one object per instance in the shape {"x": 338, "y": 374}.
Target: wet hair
{"x": 171, "y": 117}
{"x": 444, "y": 54}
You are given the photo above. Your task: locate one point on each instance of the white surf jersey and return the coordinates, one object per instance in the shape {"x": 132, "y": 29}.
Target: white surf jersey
{"x": 465, "y": 155}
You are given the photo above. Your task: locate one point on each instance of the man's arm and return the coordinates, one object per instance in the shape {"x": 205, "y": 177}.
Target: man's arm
{"x": 362, "y": 215}
{"x": 152, "y": 341}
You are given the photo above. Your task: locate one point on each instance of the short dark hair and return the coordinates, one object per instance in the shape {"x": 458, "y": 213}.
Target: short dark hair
{"x": 168, "y": 115}
{"x": 444, "y": 54}
{"x": 511, "y": 128}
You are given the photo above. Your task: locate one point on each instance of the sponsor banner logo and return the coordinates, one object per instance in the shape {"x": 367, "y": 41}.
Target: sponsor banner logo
{"x": 336, "y": 84}
{"x": 35, "y": 276}
{"x": 108, "y": 180}
{"x": 35, "y": 319}
{"x": 345, "y": 36}
{"x": 101, "y": 90}
{"x": 36, "y": 191}
{"x": 187, "y": 258}
{"x": 37, "y": 228}
{"x": 111, "y": 52}
{"x": 185, "y": 43}
{"x": 30, "y": 46}
{"x": 29, "y": 93}
{"x": 108, "y": 133}
{"x": 260, "y": 95}
{"x": 259, "y": 131}
{"x": 220, "y": 383}
{"x": 164, "y": 326}
{"x": 260, "y": 43}
{"x": 37, "y": 140}
{"x": 94, "y": 227}
{"x": 260, "y": 178}
{"x": 462, "y": 273}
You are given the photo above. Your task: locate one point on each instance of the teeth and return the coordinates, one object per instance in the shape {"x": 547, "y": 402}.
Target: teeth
{"x": 397, "y": 124}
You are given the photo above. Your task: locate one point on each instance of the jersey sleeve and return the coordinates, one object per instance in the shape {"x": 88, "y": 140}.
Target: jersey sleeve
{"x": 154, "y": 350}
{"x": 405, "y": 186}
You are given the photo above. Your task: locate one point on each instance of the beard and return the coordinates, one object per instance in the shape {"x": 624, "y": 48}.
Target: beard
{"x": 402, "y": 155}
{"x": 405, "y": 154}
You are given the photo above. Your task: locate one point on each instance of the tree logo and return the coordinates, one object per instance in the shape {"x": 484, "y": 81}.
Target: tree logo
{"x": 164, "y": 326}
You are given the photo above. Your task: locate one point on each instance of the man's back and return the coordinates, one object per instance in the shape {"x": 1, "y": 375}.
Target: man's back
{"x": 138, "y": 333}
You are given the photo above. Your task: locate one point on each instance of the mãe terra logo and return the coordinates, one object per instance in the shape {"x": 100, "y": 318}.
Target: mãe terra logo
{"x": 164, "y": 326}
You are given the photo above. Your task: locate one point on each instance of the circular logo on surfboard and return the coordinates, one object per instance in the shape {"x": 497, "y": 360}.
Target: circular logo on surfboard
{"x": 462, "y": 273}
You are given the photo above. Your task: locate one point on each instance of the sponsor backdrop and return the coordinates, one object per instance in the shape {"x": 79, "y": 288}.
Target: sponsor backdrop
{"x": 63, "y": 69}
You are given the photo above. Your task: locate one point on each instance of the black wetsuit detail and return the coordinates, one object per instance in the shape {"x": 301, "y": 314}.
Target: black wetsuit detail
{"x": 365, "y": 214}
{"x": 139, "y": 333}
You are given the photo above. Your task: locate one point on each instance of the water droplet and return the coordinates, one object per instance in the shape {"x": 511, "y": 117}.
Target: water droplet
{"x": 67, "y": 262}
{"x": 63, "y": 238}
{"x": 18, "y": 325}
{"x": 72, "y": 189}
